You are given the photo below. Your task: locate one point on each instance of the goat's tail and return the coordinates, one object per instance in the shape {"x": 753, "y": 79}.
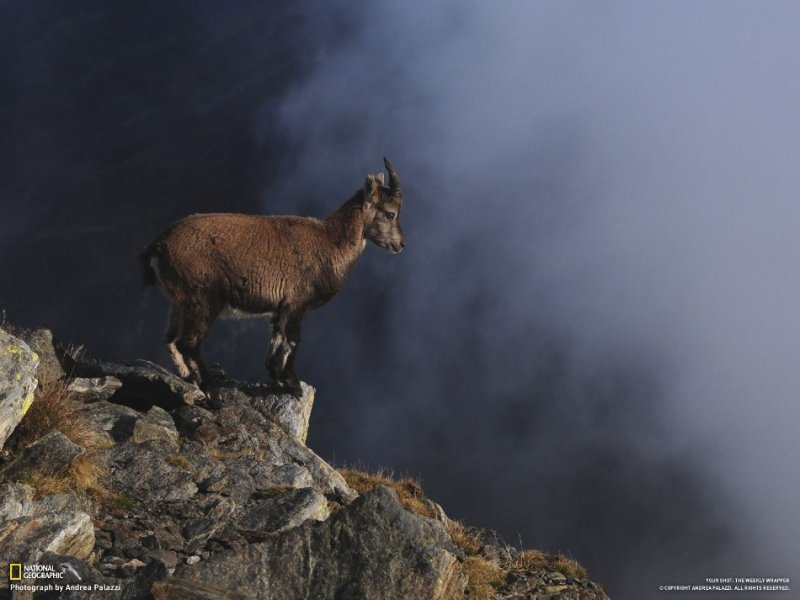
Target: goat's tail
{"x": 148, "y": 272}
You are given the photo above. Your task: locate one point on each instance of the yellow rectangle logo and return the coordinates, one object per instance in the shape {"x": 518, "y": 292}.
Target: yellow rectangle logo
{"x": 15, "y": 572}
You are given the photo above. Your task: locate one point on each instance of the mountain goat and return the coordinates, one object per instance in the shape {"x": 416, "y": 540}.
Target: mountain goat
{"x": 276, "y": 266}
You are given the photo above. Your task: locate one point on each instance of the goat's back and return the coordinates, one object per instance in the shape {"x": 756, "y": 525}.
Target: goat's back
{"x": 245, "y": 256}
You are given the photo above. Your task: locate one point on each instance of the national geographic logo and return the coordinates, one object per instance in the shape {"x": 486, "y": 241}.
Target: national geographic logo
{"x": 20, "y": 571}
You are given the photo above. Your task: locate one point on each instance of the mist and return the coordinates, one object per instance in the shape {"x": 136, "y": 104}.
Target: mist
{"x": 595, "y": 320}
{"x": 589, "y": 342}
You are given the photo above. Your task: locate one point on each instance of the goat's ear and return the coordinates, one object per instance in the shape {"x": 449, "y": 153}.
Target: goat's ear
{"x": 371, "y": 189}
{"x": 379, "y": 178}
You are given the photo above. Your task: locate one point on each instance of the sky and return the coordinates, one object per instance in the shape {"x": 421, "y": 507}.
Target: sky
{"x": 590, "y": 340}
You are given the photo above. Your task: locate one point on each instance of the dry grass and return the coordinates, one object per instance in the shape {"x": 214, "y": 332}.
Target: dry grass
{"x": 483, "y": 578}
{"x": 408, "y": 490}
{"x": 533, "y": 560}
{"x": 51, "y": 410}
{"x": 469, "y": 542}
{"x": 483, "y": 575}
{"x": 45, "y": 485}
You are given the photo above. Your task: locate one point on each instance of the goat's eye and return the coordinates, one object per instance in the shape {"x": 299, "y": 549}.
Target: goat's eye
{"x": 391, "y": 215}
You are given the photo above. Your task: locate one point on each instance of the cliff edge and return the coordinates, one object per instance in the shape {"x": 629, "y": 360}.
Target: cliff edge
{"x": 124, "y": 481}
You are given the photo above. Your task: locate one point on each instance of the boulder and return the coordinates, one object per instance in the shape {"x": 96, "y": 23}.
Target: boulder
{"x": 143, "y": 384}
{"x": 67, "y": 533}
{"x": 275, "y": 457}
{"x": 282, "y": 512}
{"x": 17, "y": 382}
{"x": 373, "y": 548}
{"x": 41, "y": 341}
{"x": 92, "y": 389}
{"x": 116, "y": 420}
{"x": 46, "y": 456}
{"x": 283, "y": 449}
{"x": 290, "y": 413}
{"x": 156, "y": 425}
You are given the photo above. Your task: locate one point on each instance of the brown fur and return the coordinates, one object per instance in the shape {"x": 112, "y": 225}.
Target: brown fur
{"x": 282, "y": 266}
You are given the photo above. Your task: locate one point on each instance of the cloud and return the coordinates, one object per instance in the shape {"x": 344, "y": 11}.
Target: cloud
{"x": 598, "y": 284}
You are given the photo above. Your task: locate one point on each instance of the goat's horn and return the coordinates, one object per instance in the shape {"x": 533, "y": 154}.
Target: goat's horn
{"x": 394, "y": 179}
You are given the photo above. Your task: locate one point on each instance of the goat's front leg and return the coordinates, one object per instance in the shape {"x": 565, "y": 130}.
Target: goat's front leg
{"x": 275, "y": 361}
{"x": 292, "y": 341}
{"x": 283, "y": 345}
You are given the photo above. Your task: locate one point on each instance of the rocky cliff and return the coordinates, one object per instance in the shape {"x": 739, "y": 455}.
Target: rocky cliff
{"x": 123, "y": 481}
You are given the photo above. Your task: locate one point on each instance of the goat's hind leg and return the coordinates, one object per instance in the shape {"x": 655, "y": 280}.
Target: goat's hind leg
{"x": 194, "y": 330}
{"x": 173, "y": 333}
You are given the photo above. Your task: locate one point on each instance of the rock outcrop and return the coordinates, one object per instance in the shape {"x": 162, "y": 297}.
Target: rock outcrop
{"x": 216, "y": 495}
{"x": 17, "y": 382}
{"x": 373, "y": 549}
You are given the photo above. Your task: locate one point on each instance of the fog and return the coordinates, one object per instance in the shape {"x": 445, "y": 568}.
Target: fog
{"x": 590, "y": 340}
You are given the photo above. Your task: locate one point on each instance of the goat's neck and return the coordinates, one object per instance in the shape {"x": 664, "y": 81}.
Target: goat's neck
{"x": 346, "y": 227}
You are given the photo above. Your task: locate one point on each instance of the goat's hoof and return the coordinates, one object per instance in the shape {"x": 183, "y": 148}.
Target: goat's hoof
{"x": 294, "y": 388}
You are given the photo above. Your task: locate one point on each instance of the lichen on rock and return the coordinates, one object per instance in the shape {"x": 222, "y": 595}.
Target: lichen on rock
{"x": 17, "y": 382}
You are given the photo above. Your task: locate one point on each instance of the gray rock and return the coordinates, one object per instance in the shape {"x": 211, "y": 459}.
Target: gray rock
{"x": 234, "y": 480}
{"x": 179, "y": 589}
{"x": 156, "y": 425}
{"x": 291, "y": 414}
{"x": 125, "y": 540}
{"x": 282, "y": 512}
{"x": 18, "y": 365}
{"x": 67, "y": 533}
{"x": 62, "y": 502}
{"x": 197, "y": 531}
{"x": 267, "y": 476}
{"x": 197, "y": 424}
{"x": 47, "y": 456}
{"x": 92, "y": 389}
{"x": 194, "y": 457}
{"x": 16, "y": 500}
{"x": 144, "y": 473}
{"x": 41, "y": 341}
{"x": 381, "y": 551}
{"x": 168, "y": 537}
{"x": 144, "y": 383}
{"x": 115, "y": 419}
{"x": 283, "y": 449}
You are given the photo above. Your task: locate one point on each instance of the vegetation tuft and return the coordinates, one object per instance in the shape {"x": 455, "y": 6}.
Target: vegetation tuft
{"x": 51, "y": 410}
{"x": 408, "y": 490}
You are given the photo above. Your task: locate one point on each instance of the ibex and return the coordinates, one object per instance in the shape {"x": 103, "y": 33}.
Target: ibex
{"x": 276, "y": 266}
